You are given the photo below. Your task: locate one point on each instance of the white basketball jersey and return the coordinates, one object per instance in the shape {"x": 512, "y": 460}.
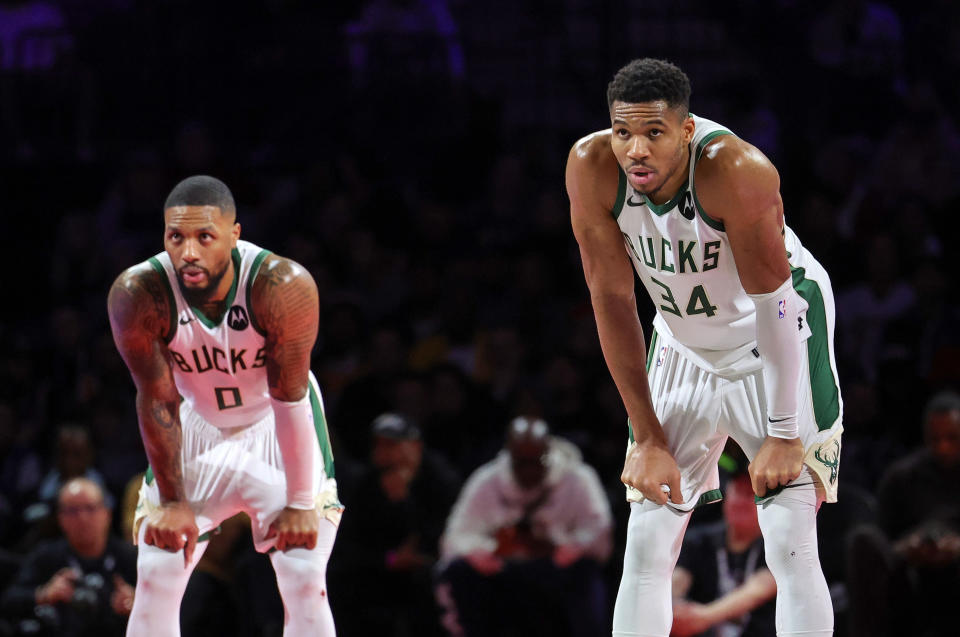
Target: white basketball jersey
{"x": 684, "y": 260}
{"x": 219, "y": 368}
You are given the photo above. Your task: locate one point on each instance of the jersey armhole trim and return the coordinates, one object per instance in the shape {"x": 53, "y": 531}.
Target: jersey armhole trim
{"x": 621, "y": 194}
{"x": 171, "y": 301}
{"x": 707, "y": 219}
{"x": 254, "y": 269}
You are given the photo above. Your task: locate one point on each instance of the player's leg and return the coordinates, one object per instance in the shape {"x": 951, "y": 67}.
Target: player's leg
{"x": 162, "y": 576}
{"x": 301, "y": 573}
{"x": 686, "y": 400}
{"x": 302, "y": 580}
{"x": 161, "y": 580}
{"x": 644, "y": 605}
{"x": 788, "y": 519}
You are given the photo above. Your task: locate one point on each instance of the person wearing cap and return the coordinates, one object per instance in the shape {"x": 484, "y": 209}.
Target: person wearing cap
{"x": 527, "y": 540}
{"x": 389, "y": 544}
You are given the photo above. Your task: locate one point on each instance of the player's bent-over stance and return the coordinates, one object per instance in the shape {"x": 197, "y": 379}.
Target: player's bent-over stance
{"x": 742, "y": 342}
{"x": 217, "y": 334}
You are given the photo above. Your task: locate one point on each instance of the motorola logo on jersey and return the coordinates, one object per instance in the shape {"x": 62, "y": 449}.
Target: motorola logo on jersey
{"x": 686, "y": 207}
{"x": 237, "y": 318}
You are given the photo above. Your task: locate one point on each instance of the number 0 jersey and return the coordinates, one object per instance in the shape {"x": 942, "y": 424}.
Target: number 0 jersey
{"x": 219, "y": 368}
{"x": 684, "y": 260}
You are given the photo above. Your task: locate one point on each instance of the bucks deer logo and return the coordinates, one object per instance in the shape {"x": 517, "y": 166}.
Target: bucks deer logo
{"x": 830, "y": 458}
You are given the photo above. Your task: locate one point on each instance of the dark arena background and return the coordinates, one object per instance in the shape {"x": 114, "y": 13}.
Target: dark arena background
{"x": 410, "y": 154}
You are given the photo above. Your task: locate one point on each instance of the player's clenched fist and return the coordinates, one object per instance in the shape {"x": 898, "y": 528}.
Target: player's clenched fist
{"x": 648, "y": 468}
{"x": 295, "y": 528}
{"x": 778, "y": 462}
{"x": 172, "y": 527}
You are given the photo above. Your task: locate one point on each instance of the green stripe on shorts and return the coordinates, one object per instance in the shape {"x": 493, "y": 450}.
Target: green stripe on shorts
{"x": 823, "y": 384}
{"x": 323, "y": 434}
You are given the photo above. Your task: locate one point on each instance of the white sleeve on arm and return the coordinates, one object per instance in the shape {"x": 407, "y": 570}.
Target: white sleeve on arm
{"x": 297, "y": 439}
{"x": 778, "y": 339}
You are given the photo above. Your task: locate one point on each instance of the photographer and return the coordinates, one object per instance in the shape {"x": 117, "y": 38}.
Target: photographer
{"x": 907, "y": 568}
{"x": 81, "y": 584}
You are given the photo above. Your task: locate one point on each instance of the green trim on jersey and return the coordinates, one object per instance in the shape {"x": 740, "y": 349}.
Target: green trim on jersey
{"x": 713, "y": 223}
{"x": 148, "y": 476}
{"x": 667, "y": 207}
{"x": 254, "y": 269}
{"x": 621, "y": 194}
{"x": 171, "y": 300}
{"x": 709, "y": 137}
{"x": 228, "y": 302}
{"x": 323, "y": 434}
{"x": 823, "y": 384}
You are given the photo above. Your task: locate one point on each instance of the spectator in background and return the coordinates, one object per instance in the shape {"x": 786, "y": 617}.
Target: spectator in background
{"x": 526, "y": 542}
{"x": 907, "y": 567}
{"x": 73, "y": 458}
{"x": 389, "y": 540}
{"x": 82, "y": 584}
{"x": 721, "y": 584}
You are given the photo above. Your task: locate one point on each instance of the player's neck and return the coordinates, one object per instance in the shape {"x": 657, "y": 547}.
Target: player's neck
{"x": 216, "y": 305}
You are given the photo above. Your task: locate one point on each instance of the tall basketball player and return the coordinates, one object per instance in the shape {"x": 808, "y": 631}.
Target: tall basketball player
{"x": 741, "y": 346}
{"x": 217, "y": 335}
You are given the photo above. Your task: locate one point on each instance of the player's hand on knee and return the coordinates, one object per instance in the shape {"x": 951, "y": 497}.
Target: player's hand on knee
{"x": 295, "y": 528}
{"x": 651, "y": 469}
{"x": 173, "y": 527}
{"x": 778, "y": 463}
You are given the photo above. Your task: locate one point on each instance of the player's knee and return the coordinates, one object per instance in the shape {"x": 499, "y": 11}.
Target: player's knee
{"x": 301, "y": 578}
{"x": 787, "y": 551}
{"x": 160, "y": 572}
{"x": 649, "y": 561}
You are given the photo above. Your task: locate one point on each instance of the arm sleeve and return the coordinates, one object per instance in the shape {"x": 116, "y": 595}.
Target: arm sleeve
{"x": 778, "y": 339}
{"x": 298, "y": 440}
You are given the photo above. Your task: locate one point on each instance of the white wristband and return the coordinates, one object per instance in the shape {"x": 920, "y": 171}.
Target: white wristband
{"x": 778, "y": 339}
{"x": 298, "y": 441}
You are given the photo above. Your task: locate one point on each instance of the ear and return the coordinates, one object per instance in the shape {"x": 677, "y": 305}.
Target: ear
{"x": 236, "y": 233}
{"x": 689, "y": 128}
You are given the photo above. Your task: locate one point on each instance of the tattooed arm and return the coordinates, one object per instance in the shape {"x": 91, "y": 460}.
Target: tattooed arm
{"x": 139, "y": 317}
{"x": 284, "y": 302}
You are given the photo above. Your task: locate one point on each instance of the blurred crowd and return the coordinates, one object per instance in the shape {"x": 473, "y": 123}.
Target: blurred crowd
{"x": 410, "y": 154}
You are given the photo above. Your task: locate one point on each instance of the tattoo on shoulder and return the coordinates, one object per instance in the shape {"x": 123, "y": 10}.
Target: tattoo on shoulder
{"x": 138, "y": 300}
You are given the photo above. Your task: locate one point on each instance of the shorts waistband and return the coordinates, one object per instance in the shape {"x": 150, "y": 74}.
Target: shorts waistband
{"x": 196, "y": 424}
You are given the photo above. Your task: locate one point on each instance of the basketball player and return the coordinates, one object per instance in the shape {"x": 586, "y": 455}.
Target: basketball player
{"x": 741, "y": 344}
{"x": 217, "y": 335}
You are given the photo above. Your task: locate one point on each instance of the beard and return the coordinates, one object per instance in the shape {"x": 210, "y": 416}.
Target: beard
{"x": 198, "y": 296}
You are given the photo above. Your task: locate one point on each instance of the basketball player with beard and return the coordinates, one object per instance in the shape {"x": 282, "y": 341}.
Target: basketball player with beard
{"x": 217, "y": 335}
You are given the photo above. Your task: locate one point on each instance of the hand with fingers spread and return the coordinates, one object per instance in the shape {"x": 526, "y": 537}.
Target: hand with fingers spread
{"x": 648, "y": 468}
{"x": 173, "y": 527}
{"x": 295, "y": 528}
{"x": 778, "y": 463}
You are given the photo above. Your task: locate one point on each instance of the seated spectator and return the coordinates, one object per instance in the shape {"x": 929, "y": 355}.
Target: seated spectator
{"x": 73, "y": 458}
{"x": 525, "y": 544}
{"x": 904, "y": 572}
{"x": 721, "y": 585}
{"x": 388, "y": 540}
{"x": 82, "y": 584}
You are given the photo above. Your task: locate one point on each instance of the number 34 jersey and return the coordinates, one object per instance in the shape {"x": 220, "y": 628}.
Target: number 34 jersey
{"x": 220, "y": 367}
{"x": 684, "y": 260}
